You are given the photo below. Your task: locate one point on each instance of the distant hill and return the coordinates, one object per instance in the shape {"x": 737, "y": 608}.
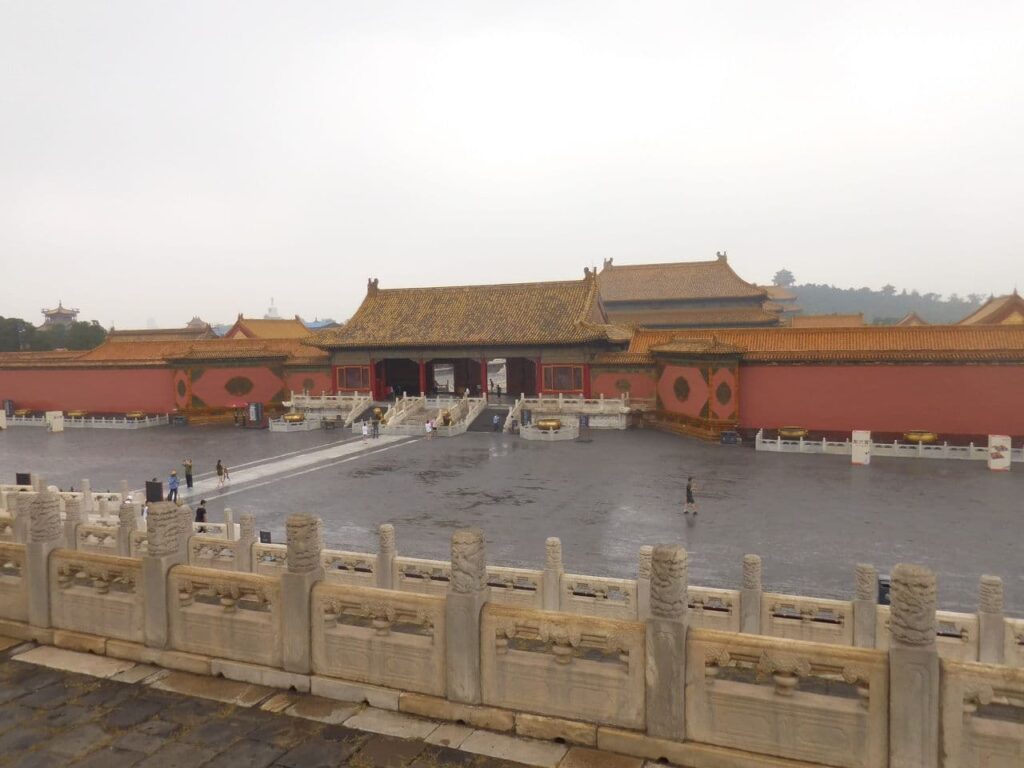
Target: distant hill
{"x": 883, "y": 307}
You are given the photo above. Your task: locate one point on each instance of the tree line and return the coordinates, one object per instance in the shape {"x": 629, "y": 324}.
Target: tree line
{"x": 17, "y": 335}
{"x": 885, "y": 306}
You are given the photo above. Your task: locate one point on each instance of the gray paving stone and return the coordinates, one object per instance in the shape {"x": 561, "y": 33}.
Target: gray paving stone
{"x": 387, "y": 752}
{"x": 193, "y": 712}
{"x": 133, "y": 741}
{"x": 247, "y": 753}
{"x": 131, "y": 713}
{"x": 110, "y": 758}
{"x": 47, "y": 698}
{"x": 436, "y": 756}
{"x": 68, "y": 715}
{"x": 158, "y": 727}
{"x": 22, "y": 739}
{"x": 12, "y": 715}
{"x": 315, "y": 753}
{"x": 177, "y": 755}
{"x": 40, "y": 758}
{"x": 345, "y": 735}
{"x": 78, "y": 741}
{"x": 218, "y": 733}
{"x": 287, "y": 732}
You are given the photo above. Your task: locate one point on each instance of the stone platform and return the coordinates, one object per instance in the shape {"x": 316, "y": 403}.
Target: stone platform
{"x": 59, "y": 707}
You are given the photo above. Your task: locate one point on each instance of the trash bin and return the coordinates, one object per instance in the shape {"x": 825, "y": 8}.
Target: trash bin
{"x": 264, "y": 537}
{"x": 884, "y": 585}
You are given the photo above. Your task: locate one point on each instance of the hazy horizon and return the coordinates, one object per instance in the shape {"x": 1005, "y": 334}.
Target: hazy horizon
{"x": 161, "y": 161}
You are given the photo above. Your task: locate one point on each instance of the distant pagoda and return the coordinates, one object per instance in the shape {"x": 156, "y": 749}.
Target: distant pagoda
{"x": 60, "y": 316}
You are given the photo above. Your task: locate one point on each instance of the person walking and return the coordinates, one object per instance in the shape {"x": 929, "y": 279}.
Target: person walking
{"x": 691, "y": 503}
{"x": 187, "y": 464}
{"x": 429, "y": 429}
{"x": 221, "y": 472}
{"x": 375, "y": 430}
{"x": 172, "y": 486}
{"x": 366, "y": 431}
{"x": 496, "y": 421}
{"x": 201, "y": 514}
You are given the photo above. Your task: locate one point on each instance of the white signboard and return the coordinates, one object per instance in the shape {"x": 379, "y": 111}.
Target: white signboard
{"x": 999, "y": 453}
{"x": 861, "y": 447}
{"x": 55, "y": 421}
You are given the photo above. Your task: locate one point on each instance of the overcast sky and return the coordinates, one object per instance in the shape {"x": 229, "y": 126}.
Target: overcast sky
{"x": 160, "y": 160}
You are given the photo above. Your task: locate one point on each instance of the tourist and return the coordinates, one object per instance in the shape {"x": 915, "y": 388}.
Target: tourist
{"x": 375, "y": 430}
{"x": 497, "y": 391}
{"x": 429, "y": 429}
{"x": 221, "y": 472}
{"x": 496, "y": 421}
{"x": 227, "y": 475}
{"x": 366, "y": 430}
{"x": 691, "y": 503}
{"x": 187, "y": 464}
{"x": 201, "y": 515}
{"x": 172, "y": 486}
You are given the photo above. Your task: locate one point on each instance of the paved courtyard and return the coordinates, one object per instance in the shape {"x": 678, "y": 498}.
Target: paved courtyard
{"x": 811, "y": 518}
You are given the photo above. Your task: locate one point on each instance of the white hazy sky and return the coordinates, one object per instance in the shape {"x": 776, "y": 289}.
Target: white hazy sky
{"x": 160, "y": 160}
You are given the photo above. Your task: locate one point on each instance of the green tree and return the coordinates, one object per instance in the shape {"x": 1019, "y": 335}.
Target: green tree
{"x": 889, "y": 290}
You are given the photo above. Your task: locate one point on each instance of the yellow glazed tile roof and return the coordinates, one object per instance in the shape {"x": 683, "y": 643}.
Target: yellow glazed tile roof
{"x": 927, "y": 343}
{"x": 828, "y": 321}
{"x": 674, "y": 281}
{"x": 999, "y": 310}
{"x": 281, "y": 328}
{"x": 516, "y": 314}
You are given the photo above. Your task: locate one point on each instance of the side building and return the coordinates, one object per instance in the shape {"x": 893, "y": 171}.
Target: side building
{"x": 962, "y": 382}
{"x": 399, "y": 339}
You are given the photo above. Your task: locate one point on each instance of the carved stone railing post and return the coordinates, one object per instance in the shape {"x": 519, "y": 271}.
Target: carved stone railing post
{"x": 229, "y": 523}
{"x": 164, "y": 551}
{"x": 666, "y": 644}
{"x": 127, "y": 524}
{"x": 865, "y": 606}
{"x": 553, "y": 570}
{"x": 246, "y": 538}
{"x": 38, "y": 482}
{"x": 386, "y": 552}
{"x": 467, "y": 595}
{"x": 72, "y": 519}
{"x": 44, "y": 536}
{"x": 185, "y": 529}
{"x": 750, "y": 596}
{"x": 86, "y": 496}
{"x": 20, "y": 508}
{"x": 305, "y": 569}
{"x": 124, "y": 490}
{"x": 991, "y": 621}
{"x": 913, "y": 670}
{"x": 643, "y": 583}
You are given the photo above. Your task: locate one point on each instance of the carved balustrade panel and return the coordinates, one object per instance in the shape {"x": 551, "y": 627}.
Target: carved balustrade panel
{"x": 982, "y": 715}
{"x": 97, "y": 538}
{"x": 563, "y": 665}
{"x": 212, "y": 552}
{"x": 13, "y": 587}
{"x": 1014, "y": 653}
{"x": 516, "y": 586}
{"x": 599, "y": 596}
{"x": 379, "y": 636}
{"x": 140, "y": 543}
{"x": 226, "y": 615}
{"x": 7, "y": 527}
{"x": 956, "y": 634}
{"x": 425, "y": 577}
{"x": 712, "y": 608}
{"x": 356, "y": 568}
{"x": 823, "y": 704}
{"x": 269, "y": 559}
{"x": 97, "y": 594}
{"x": 806, "y": 618}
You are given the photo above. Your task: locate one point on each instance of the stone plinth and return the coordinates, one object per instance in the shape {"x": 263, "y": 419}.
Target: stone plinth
{"x": 305, "y": 569}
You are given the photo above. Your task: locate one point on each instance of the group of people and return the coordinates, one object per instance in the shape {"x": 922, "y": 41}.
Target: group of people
{"x": 174, "y": 483}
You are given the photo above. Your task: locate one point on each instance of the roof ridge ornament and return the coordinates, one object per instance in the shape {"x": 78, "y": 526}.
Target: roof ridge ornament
{"x": 722, "y": 255}
{"x": 371, "y": 285}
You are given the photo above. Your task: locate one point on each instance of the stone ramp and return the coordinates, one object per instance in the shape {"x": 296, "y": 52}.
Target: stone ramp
{"x": 61, "y": 707}
{"x": 485, "y": 421}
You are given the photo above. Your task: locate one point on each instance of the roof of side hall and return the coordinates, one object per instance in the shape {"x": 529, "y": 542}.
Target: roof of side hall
{"x": 517, "y": 314}
{"x": 674, "y": 281}
{"x": 927, "y": 343}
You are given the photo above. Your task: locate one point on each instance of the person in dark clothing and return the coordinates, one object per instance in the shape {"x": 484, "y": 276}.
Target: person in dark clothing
{"x": 187, "y": 464}
{"x": 691, "y": 503}
{"x": 201, "y": 514}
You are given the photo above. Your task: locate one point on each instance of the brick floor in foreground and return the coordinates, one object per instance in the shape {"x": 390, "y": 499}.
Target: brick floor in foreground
{"x": 123, "y": 714}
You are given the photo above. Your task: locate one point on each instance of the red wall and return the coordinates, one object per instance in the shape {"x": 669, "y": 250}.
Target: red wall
{"x": 210, "y": 386}
{"x": 99, "y": 390}
{"x": 949, "y": 399}
{"x": 642, "y": 385}
{"x": 321, "y": 382}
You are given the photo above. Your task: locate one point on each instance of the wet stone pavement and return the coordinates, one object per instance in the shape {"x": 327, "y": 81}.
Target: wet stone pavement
{"x": 811, "y": 518}
{"x": 51, "y": 718}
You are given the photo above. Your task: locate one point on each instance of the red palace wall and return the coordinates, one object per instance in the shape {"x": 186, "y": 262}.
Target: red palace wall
{"x": 641, "y": 384}
{"x": 211, "y": 385}
{"x": 98, "y": 390}
{"x": 689, "y": 390}
{"x": 315, "y": 382}
{"x": 950, "y": 399}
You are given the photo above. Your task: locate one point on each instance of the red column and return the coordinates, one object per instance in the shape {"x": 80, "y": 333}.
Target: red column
{"x": 423, "y": 377}
{"x": 334, "y": 377}
{"x": 483, "y": 377}
{"x": 373, "y": 380}
{"x": 540, "y": 377}
{"x": 586, "y": 380}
